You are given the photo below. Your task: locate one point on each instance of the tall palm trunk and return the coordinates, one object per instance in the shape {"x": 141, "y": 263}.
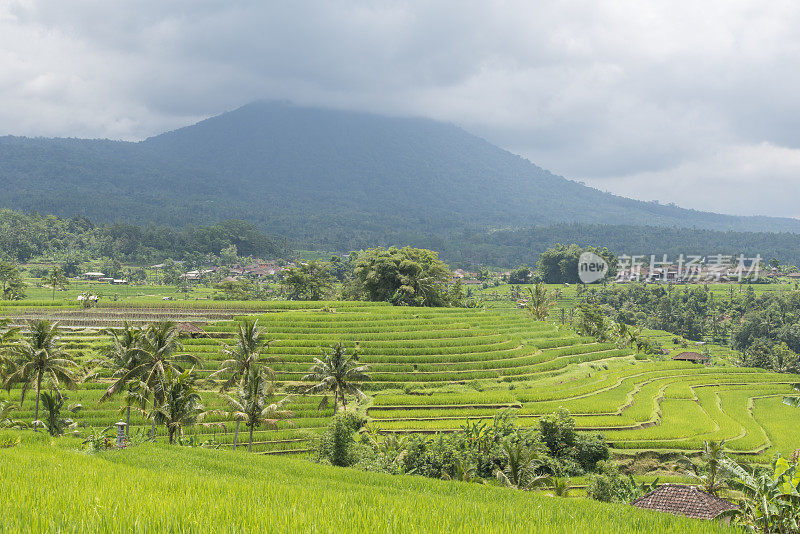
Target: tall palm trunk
{"x": 335, "y": 401}
{"x": 250, "y": 444}
{"x": 36, "y": 412}
{"x": 236, "y": 434}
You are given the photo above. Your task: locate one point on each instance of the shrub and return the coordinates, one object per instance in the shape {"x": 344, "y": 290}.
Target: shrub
{"x": 337, "y": 444}
{"x": 611, "y": 486}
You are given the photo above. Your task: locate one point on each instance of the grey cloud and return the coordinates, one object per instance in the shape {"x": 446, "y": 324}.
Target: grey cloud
{"x": 601, "y": 92}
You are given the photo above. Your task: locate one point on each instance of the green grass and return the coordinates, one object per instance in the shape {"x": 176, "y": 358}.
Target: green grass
{"x": 171, "y": 489}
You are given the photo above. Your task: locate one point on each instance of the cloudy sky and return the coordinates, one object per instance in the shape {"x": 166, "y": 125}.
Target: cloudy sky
{"x": 696, "y": 103}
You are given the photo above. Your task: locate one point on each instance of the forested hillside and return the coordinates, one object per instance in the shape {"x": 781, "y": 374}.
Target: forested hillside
{"x": 523, "y": 246}
{"x": 32, "y": 236}
{"x": 327, "y": 179}
{"x": 25, "y": 237}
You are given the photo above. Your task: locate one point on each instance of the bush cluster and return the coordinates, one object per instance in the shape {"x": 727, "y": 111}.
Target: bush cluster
{"x": 479, "y": 448}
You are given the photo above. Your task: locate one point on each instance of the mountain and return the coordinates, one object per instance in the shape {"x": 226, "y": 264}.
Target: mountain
{"x": 335, "y": 180}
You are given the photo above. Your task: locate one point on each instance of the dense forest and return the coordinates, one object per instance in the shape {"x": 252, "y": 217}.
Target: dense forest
{"x": 327, "y": 180}
{"x": 765, "y": 327}
{"x": 523, "y": 246}
{"x": 25, "y": 237}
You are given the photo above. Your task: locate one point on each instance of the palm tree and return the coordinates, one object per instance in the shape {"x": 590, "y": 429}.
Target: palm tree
{"x": 241, "y": 357}
{"x": 250, "y": 341}
{"x": 180, "y": 404}
{"x": 156, "y": 357}
{"x": 711, "y": 475}
{"x": 520, "y": 469}
{"x": 462, "y": 470}
{"x": 540, "y": 300}
{"x": 57, "y": 280}
{"x": 250, "y": 405}
{"x": 337, "y": 374}
{"x": 626, "y": 336}
{"x": 122, "y": 357}
{"x": 6, "y": 336}
{"x": 38, "y": 356}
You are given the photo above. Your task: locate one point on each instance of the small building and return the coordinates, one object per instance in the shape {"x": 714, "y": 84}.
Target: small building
{"x": 689, "y": 501}
{"x": 694, "y": 357}
{"x": 190, "y": 330}
{"x": 459, "y": 273}
{"x": 93, "y": 275}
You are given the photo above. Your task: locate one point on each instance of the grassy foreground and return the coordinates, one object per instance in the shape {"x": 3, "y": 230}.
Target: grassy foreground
{"x": 48, "y": 488}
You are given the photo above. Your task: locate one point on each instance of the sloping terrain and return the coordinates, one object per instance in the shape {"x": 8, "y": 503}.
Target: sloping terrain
{"x": 324, "y": 178}
{"x": 434, "y": 369}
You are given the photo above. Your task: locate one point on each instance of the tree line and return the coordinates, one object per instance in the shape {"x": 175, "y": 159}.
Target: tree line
{"x": 765, "y": 327}
{"x": 25, "y": 237}
{"x": 156, "y": 378}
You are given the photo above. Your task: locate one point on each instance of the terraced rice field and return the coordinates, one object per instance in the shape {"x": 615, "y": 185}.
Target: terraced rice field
{"x": 434, "y": 369}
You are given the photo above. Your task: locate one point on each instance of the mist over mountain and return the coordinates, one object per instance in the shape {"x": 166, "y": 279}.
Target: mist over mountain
{"x": 335, "y": 180}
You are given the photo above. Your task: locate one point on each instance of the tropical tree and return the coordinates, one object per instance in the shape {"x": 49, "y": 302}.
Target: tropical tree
{"x": 627, "y": 336}
{"x": 520, "y": 467}
{"x": 242, "y": 356}
{"x": 540, "y": 301}
{"x": 122, "y": 357}
{"x": 157, "y": 356}
{"x": 710, "y": 473}
{"x": 307, "y": 281}
{"x": 251, "y": 406}
{"x": 770, "y": 498}
{"x": 6, "y": 338}
{"x": 39, "y": 356}
{"x": 338, "y": 372}
{"x": 57, "y": 280}
{"x": 462, "y": 470}
{"x": 179, "y": 403}
{"x": 405, "y": 277}
{"x": 13, "y": 288}
{"x": 55, "y": 423}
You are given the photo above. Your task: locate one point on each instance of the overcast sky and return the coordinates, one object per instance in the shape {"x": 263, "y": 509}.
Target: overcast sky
{"x": 691, "y": 102}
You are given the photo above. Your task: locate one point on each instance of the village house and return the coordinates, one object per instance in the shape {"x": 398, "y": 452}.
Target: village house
{"x": 694, "y": 357}
{"x": 689, "y": 501}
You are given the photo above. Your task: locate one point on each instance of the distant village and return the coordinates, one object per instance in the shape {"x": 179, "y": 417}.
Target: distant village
{"x": 258, "y": 270}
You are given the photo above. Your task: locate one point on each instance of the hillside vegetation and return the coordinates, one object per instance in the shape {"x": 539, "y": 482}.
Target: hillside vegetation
{"x": 434, "y": 369}
{"x": 333, "y": 180}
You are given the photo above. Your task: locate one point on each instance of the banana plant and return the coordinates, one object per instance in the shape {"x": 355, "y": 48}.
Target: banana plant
{"x": 771, "y": 500}
{"x": 55, "y": 422}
